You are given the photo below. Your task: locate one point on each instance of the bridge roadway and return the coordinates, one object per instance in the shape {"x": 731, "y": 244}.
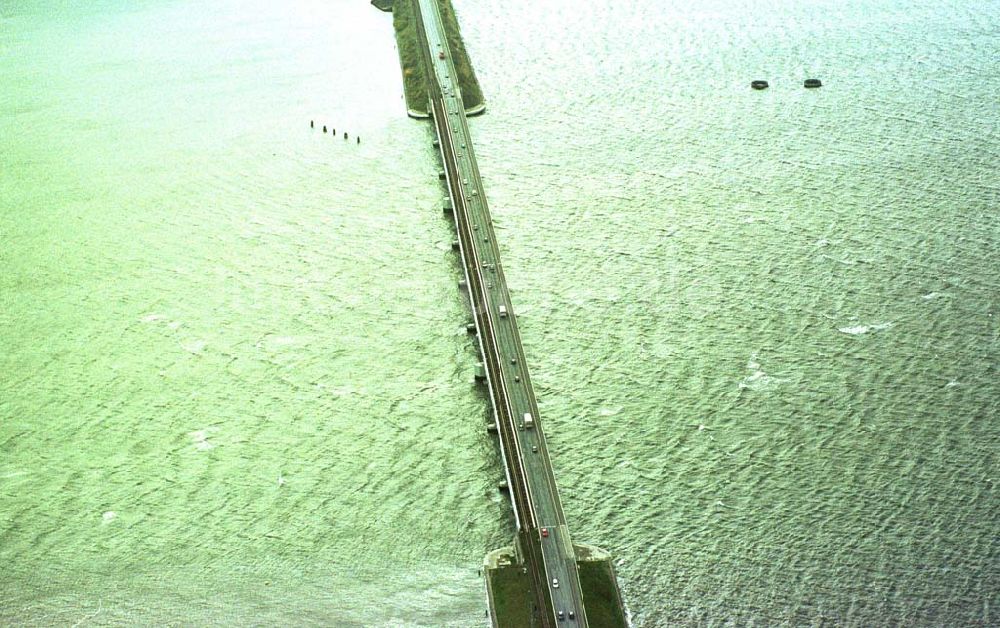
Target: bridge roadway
{"x": 534, "y": 495}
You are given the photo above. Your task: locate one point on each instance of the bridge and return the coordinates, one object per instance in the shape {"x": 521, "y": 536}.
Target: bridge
{"x": 543, "y": 538}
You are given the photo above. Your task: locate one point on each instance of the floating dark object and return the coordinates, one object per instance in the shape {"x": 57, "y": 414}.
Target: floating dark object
{"x": 813, "y": 83}
{"x": 345, "y": 135}
{"x": 359, "y": 139}
{"x": 312, "y": 124}
{"x": 758, "y": 84}
{"x": 324, "y": 128}
{"x": 333, "y": 131}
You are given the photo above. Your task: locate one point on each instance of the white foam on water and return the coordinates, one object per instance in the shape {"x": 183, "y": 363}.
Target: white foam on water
{"x": 344, "y": 391}
{"x": 864, "y": 329}
{"x": 845, "y": 262}
{"x": 152, "y": 318}
{"x": 757, "y": 379}
{"x": 860, "y": 329}
{"x": 108, "y": 517}
{"x": 193, "y": 346}
{"x": 610, "y": 411}
{"x": 200, "y": 440}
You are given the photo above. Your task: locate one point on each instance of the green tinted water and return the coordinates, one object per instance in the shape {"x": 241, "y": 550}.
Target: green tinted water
{"x": 235, "y": 382}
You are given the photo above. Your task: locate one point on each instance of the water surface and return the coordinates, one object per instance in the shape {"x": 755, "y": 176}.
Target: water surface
{"x": 763, "y": 325}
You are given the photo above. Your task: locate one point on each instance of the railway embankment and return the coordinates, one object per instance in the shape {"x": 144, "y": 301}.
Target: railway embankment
{"x": 415, "y": 79}
{"x": 508, "y": 589}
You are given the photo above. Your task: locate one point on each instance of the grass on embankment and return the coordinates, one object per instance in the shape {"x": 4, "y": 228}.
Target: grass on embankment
{"x": 512, "y": 596}
{"x": 511, "y": 589}
{"x": 410, "y": 58}
{"x": 600, "y": 594}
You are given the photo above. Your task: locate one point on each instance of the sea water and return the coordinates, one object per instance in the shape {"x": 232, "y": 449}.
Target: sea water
{"x": 235, "y": 385}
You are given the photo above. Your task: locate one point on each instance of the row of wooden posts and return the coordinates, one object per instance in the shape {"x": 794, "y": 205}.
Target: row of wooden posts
{"x": 312, "y": 125}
